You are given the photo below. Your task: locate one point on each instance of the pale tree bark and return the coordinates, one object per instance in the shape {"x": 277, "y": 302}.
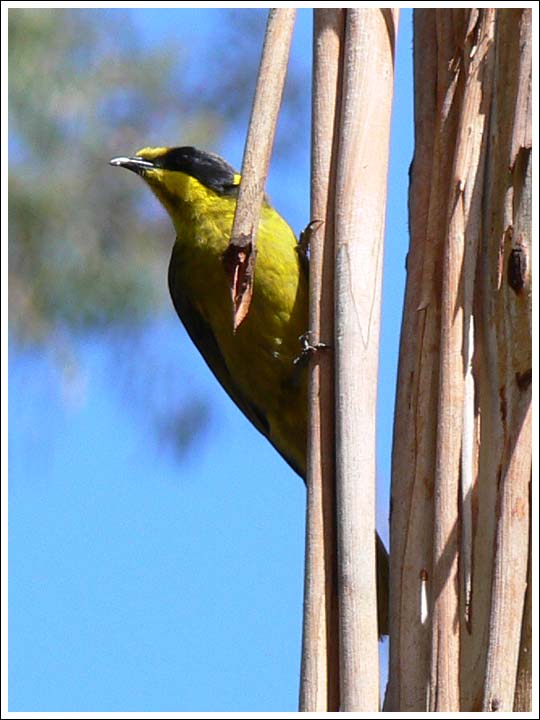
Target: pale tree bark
{"x": 368, "y": 78}
{"x": 352, "y": 96}
{"x": 460, "y": 626}
{"x": 319, "y": 678}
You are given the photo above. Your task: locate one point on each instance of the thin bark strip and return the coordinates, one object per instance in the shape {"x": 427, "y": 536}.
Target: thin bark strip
{"x": 456, "y": 396}
{"x": 413, "y": 453}
{"x": 508, "y": 210}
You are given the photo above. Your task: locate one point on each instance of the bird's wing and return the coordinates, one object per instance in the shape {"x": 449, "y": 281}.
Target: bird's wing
{"x": 205, "y": 341}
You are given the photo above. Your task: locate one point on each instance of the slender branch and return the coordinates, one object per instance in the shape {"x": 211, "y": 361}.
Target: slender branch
{"x": 240, "y": 256}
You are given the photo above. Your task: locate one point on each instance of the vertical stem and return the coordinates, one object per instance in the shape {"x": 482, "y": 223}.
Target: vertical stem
{"x": 360, "y": 211}
{"x": 319, "y": 690}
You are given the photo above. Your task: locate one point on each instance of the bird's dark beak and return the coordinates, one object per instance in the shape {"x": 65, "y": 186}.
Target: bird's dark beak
{"x": 137, "y": 164}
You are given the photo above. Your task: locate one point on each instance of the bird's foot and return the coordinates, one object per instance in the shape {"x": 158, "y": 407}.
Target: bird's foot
{"x": 308, "y": 348}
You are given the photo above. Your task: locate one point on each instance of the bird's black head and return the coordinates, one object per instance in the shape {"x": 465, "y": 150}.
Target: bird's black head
{"x": 209, "y": 169}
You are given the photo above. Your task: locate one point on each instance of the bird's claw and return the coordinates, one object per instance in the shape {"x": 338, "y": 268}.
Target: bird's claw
{"x": 308, "y": 348}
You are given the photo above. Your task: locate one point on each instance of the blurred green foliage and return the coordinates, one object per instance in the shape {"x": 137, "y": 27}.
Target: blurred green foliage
{"x": 84, "y": 250}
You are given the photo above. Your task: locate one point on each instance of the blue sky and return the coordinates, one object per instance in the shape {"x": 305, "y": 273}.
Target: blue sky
{"x": 138, "y": 583}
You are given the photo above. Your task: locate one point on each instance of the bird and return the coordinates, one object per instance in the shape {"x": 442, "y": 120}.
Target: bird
{"x": 257, "y": 363}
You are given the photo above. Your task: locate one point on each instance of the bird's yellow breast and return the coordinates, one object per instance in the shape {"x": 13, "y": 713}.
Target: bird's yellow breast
{"x": 261, "y": 354}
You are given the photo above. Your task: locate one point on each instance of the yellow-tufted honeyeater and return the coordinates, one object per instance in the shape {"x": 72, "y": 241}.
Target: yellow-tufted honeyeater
{"x": 256, "y": 365}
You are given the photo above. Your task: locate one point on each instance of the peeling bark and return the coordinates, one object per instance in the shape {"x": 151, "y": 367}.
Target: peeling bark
{"x": 462, "y": 436}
